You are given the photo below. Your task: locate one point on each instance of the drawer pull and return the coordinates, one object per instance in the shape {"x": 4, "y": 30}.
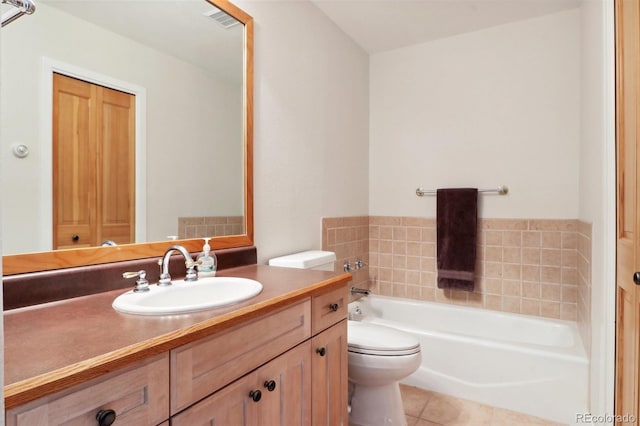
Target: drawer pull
{"x": 334, "y": 307}
{"x": 255, "y": 395}
{"x": 270, "y": 385}
{"x": 321, "y": 351}
{"x": 106, "y": 417}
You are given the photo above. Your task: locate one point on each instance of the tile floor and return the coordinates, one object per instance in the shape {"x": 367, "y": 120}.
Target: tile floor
{"x": 425, "y": 408}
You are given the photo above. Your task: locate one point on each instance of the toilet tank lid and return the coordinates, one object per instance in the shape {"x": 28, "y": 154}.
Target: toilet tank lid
{"x": 304, "y": 260}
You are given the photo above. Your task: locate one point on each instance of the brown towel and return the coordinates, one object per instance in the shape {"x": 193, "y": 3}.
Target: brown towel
{"x": 457, "y": 229}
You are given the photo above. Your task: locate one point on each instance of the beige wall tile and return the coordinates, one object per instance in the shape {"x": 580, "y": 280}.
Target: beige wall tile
{"x": 512, "y": 255}
{"x": 531, "y": 273}
{"x": 550, "y": 292}
{"x": 550, "y": 310}
{"x": 511, "y": 288}
{"x": 536, "y": 267}
{"x": 512, "y": 239}
{"x": 530, "y": 306}
{"x": 531, "y": 256}
{"x": 493, "y": 302}
{"x": 511, "y": 271}
{"x": 511, "y": 304}
{"x": 531, "y": 290}
{"x": 551, "y": 239}
{"x": 493, "y": 254}
{"x": 551, "y": 257}
{"x": 531, "y": 239}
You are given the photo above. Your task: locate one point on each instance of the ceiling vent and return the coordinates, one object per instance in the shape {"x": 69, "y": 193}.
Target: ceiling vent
{"x": 222, "y": 18}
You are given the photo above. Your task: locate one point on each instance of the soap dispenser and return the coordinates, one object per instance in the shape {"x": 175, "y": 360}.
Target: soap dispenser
{"x": 207, "y": 262}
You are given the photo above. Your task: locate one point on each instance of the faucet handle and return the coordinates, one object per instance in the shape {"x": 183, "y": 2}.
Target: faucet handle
{"x": 192, "y": 275}
{"x": 141, "y": 283}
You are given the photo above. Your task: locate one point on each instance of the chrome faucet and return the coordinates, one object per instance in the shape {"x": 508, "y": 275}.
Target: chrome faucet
{"x": 165, "y": 278}
{"x": 364, "y": 291}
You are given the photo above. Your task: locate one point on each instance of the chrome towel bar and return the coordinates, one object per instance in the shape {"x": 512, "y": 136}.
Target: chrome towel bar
{"x": 501, "y": 190}
{"x": 23, "y": 7}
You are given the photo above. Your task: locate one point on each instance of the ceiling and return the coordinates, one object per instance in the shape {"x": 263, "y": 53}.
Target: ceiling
{"x": 379, "y": 25}
{"x": 179, "y": 27}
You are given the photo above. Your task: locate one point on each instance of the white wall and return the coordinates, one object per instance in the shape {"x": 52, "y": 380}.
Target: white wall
{"x": 311, "y": 125}
{"x": 493, "y": 107}
{"x": 191, "y": 115}
{"x": 597, "y": 190}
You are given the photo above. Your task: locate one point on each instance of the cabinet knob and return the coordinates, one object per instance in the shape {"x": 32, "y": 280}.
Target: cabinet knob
{"x": 334, "y": 307}
{"x": 255, "y": 395}
{"x": 105, "y": 417}
{"x": 270, "y": 385}
{"x": 321, "y": 351}
{"x": 76, "y": 237}
{"x": 636, "y": 278}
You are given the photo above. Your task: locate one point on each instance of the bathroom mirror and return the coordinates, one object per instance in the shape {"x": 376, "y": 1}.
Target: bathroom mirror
{"x": 188, "y": 65}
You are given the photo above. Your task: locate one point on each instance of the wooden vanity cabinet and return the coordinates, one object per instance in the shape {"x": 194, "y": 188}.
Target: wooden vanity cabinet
{"x": 203, "y": 367}
{"x": 139, "y": 396}
{"x": 288, "y": 368}
{"x": 308, "y": 381}
{"x": 277, "y": 393}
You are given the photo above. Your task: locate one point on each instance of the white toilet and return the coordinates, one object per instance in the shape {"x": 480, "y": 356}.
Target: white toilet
{"x": 379, "y": 357}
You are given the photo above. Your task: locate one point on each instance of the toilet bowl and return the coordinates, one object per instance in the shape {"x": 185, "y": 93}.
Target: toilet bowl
{"x": 378, "y": 358}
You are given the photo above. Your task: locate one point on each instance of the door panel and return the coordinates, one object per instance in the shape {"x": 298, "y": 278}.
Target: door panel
{"x": 628, "y": 216}
{"x": 94, "y": 164}
{"x": 74, "y": 179}
{"x": 116, "y": 178}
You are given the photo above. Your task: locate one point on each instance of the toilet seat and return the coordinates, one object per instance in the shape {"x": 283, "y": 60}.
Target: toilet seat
{"x": 373, "y": 339}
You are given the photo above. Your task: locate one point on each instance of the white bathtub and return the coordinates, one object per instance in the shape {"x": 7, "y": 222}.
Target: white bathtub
{"x": 523, "y": 363}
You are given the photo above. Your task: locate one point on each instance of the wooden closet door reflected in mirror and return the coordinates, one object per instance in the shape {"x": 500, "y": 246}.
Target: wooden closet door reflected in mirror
{"x": 93, "y": 164}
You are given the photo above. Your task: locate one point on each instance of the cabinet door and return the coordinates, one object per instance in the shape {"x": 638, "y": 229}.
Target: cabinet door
{"x": 275, "y": 394}
{"x": 203, "y": 367}
{"x": 329, "y": 377}
{"x": 285, "y": 384}
{"x": 229, "y": 406}
{"x": 139, "y": 396}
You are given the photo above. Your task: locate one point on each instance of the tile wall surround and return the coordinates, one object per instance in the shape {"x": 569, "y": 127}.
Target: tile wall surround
{"x": 535, "y": 267}
{"x": 210, "y": 226}
{"x": 348, "y": 238}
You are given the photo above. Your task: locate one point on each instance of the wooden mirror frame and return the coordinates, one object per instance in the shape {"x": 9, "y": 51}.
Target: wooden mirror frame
{"x": 48, "y": 260}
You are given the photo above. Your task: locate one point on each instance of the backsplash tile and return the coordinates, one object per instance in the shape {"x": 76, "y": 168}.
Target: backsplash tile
{"x": 535, "y": 267}
{"x": 210, "y": 226}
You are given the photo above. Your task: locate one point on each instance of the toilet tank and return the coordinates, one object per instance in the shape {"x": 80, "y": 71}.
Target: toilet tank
{"x": 310, "y": 259}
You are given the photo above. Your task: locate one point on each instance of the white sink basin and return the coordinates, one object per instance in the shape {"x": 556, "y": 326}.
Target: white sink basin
{"x": 182, "y": 297}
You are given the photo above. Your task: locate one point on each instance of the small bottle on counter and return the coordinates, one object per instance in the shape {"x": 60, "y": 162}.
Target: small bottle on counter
{"x": 207, "y": 261}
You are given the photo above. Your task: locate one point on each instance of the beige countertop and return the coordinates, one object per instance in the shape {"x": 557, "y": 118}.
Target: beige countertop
{"x": 54, "y": 346}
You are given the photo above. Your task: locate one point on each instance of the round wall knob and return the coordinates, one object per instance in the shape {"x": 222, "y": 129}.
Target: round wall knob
{"x": 270, "y": 385}
{"x": 636, "y": 278}
{"x": 105, "y": 417}
{"x": 75, "y": 237}
{"x": 255, "y": 395}
{"x": 321, "y": 351}
{"x": 334, "y": 307}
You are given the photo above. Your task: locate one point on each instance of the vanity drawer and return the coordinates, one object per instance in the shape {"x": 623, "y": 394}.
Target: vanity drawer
{"x": 202, "y": 367}
{"x": 139, "y": 395}
{"x": 329, "y": 308}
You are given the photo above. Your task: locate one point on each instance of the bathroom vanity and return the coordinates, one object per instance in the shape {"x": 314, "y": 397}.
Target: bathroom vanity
{"x": 279, "y": 358}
